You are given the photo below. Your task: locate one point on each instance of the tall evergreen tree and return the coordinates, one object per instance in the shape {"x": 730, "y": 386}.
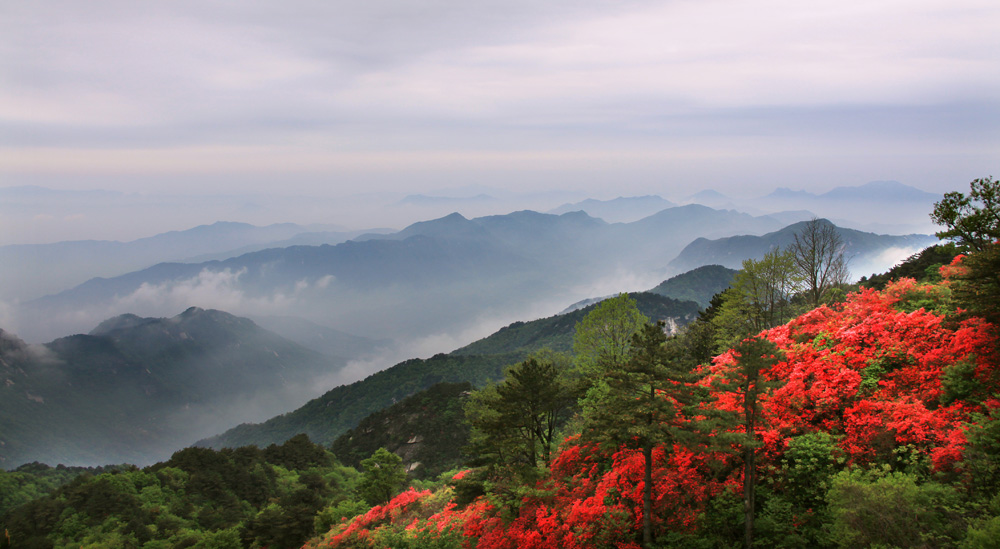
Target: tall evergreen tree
{"x": 517, "y": 419}
{"x": 973, "y": 221}
{"x": 746, "y": 382}
{"x": 640, "y": 404}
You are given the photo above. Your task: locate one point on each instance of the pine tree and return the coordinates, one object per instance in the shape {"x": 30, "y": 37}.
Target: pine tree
{"x": 640, "y": 404}
{"x": 746, "y": 382}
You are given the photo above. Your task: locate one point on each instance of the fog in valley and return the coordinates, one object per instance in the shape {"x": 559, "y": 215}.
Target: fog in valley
{"x": 302, "y": 197}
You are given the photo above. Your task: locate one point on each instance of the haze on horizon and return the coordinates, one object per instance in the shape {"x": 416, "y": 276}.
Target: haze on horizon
{"x": 595, "y": 98}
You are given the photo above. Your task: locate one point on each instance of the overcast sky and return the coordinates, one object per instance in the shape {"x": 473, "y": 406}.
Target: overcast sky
{"x": 608, "y": 98}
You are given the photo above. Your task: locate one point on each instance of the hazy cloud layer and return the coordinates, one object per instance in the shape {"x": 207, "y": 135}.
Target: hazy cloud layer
{"x": 401, "y": 95}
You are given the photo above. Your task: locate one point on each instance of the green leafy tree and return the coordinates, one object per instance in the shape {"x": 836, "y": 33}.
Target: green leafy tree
{"x": 973, "y": 220}
{"x": 383, "y": 477}
{"x": 746, "y": 381}
{"x": 978, "y": 287}
{"x": 639, "y": 404}
{"x": 879, "y": 508}
{"x": 818, "y": 256}
{"x": 604, "y": 337}
{"x": 759, "y": 299}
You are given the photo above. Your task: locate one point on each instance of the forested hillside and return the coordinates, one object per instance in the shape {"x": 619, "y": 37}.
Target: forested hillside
{"x": 797, "y": 410}
{"x": 327, "y": 417}
{"x": 135, "y": 389}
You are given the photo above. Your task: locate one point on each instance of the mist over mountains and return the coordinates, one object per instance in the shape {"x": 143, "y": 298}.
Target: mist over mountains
{"x": 21, "y": 264}
{"x": 866, "y": 252}
{"x": 332, "y": 305}
{"x": 135, "y": 389}
{"x": 433, "y": 277}
{"x": 429, "y": 278}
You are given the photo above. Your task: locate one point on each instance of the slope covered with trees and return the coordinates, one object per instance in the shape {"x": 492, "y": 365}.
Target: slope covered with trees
{"x": 870, "y": 420}
{"x": 882, "y": 408}
{"x": 327, "y": 417}
{"x": 135, "y": 389}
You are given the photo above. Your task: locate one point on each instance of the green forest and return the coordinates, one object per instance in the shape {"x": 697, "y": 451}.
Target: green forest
{"x": 796, "y": 410}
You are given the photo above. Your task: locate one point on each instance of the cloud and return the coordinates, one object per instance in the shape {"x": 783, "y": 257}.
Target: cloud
{"x": 206, "y": 74}
{"x": 883, "y": 261}
{"x": 222, "y": 290}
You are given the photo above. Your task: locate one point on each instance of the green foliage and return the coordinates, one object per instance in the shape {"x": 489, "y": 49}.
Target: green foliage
{"x": 514, "y": 427}
{"x": 35, "y": 480}
{"x": 892, "y": 509}
{"x": 983, "y": 534}
{"x": 383, "y": 477}
{"x": 747, "y": 382}
{"x": 958, "y": 382}
{"x": 428, "y": 428}
{"x": 603, "y": 338}
{"x": 973, "y": 221}
{"x": 922, "y": 266}
{"x": 334, "y": 514}
{"x": 981, "y": 466}
{"x": 638, "y": 402}
{"x": 698, "y": 285}
{"x": 759, "y": 299}
{"x": 515, "y": 421}
{"x": 977, "y": 289}
{"x": 198, "y": 498}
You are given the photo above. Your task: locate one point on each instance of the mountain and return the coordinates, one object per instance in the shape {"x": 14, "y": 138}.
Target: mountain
{"x": 427, "y": 430}
{"x": 880, "y": 191}
{"x": 618, "y": 210}
{"x": 433, "y": 277}
{"x": 321, "y": 338}
{"x": 325, "y": 418}
{"x": 652, "y": 242}
{"x": 698, "y": 285}
{"x": 711, "y": 198}
{"x": 867, "y": 252}
{"x": 424, "y": 200}
{"x": 31, "y": 270}
{"x": 134, "y": 389}
{"x": 896, "y": 208}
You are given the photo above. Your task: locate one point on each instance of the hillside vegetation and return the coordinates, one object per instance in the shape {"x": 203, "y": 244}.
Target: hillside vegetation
{"x": 795, "y": 411}
{"x": 327, "y": 417}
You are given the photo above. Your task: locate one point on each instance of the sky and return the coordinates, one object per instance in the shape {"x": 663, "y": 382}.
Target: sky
{"x": 603, "y": 98}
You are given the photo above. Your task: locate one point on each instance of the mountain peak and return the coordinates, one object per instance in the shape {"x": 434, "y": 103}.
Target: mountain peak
{"x": 880, "y": 190}
{"x": 120, "y": 322}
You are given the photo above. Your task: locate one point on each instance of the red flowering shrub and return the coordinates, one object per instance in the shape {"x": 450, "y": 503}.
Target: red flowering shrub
{"x": 886, "y": 376}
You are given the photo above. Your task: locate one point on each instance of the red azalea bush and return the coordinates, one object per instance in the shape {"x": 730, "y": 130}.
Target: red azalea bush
{"x": 870, "y": 372}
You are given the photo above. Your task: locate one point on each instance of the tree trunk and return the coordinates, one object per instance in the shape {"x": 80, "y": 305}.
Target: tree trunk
{"x": 647, "y": 496}
{"x": 749, "y": 487}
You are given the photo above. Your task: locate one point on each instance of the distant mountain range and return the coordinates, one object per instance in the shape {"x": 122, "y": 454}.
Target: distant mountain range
{"x": 330, "y": 415}
{"x": 878, "y": 206}
{"x": 135, "y": 389}
{"x": 866, "y": 251}
{"x": 886, "y": 192}
{"x": 28, "y": 271}
{"x": 432, "y": 277}
{"x": 618, "y": 210}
